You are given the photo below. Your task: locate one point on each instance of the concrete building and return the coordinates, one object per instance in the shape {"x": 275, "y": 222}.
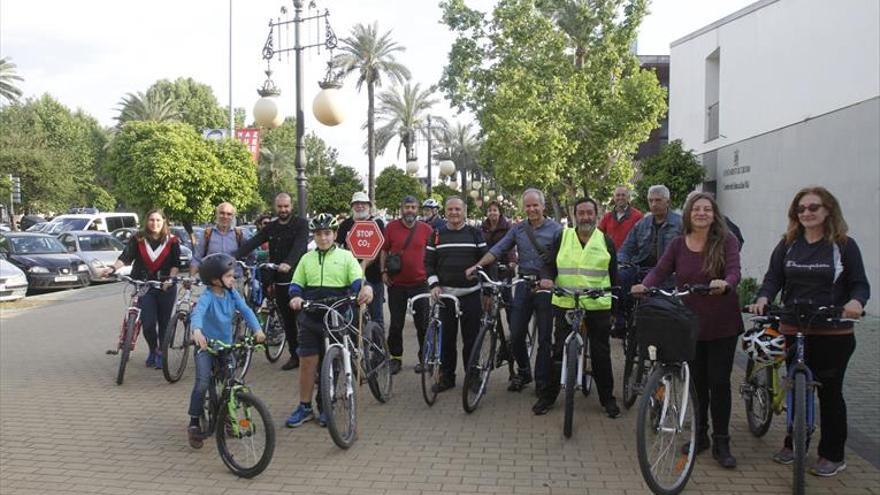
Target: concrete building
{"x": 777, "y": 96}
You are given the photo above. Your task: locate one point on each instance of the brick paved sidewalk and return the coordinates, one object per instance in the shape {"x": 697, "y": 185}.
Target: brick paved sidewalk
{"x": 65, "y": 427}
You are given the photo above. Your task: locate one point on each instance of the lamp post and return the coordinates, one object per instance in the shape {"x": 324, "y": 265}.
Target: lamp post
{"x": 269, "y": 51}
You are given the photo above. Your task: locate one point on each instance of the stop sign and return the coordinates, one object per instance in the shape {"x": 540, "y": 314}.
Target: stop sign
{"x": 365, "y": 239}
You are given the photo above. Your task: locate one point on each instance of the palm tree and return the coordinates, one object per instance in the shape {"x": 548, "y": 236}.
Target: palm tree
{"x": 403, "y": 115}
{"x": 274, "y": 167}
{"x": 147, "y": 107}
{"x": 8, "y": 89}
{"x": 372, "y": 57}
{"x": 459, "y": 143}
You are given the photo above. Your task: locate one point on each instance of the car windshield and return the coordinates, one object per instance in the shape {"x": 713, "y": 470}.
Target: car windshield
{"x": 64, "y": 224}
{"x": 99, "y": 243}
{"x": 36, "y": 245}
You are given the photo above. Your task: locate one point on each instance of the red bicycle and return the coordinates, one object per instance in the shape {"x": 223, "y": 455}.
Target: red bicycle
{"x": 131, "y": 324}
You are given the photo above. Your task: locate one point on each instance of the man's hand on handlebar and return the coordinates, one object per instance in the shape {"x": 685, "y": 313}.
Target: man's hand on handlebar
{"x": 283, "y": 268}
{"x": 545, "y": 284}
{"x": 470, "y": 271}
{"x": 435, "y": 292}
{"x": 296, "y": 303}
{"x": 365, "y": 296}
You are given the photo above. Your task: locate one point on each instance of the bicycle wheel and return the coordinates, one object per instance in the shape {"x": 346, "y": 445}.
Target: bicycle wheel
{"x": 127, "y": 344}
{"x": 337, "y": 402}
{"x": 481, "y": 362}
{"x": 572, "y": 353}
{"x": 758, "y": 398}
{"x": 243, "y": 355}
{"x": 633, "y": 370}
{"x": 666, "y": 423}
{"x": 431, "y": 363}
{"x": 377, "y": 362}
{"x": 245, "y": 435}
{"x": 532, "y": 337}
{"x": 275, "y": 337}
{"x": 587, "y": 378}
{"x": 799, "y": 431}
{"x": 175, "y": 348}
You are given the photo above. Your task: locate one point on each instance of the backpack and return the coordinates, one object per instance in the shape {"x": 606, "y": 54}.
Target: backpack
{"x": 208, "y": 230}
{"x": 666, "y": 323}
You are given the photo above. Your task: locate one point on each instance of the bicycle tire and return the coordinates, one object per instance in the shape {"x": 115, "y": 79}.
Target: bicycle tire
{"x": 248, "y": 431}
{"x": 275, "y": 337}
{"x": 377, "y": 362}
{"x": 799, "y": 432}
{"x": 648, "y": 423}
{"x": 479, "y": 366}
{"x": 532, "y": 338}
{"x": 175, "y": 348}
{"x": 633, "y": 369}
{"x": 430, "y": 363}
{"x": 127, "y": 344}
{"x": 758, "y": 399}
{"x": 243, "y": 356}
{"x": 587, "y": 378}
{"x": 572, "y": 353}
{"x": 339, "y": 406}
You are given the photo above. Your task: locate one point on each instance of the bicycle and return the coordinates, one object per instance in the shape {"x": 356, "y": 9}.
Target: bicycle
{"x": 235, "y": 416}
{"x": 796, "y": 393}
{"x": 131, "y": 324}
{"x": 178, "y": 337}
{"x": 667, "y": 409}
{"x": 369, "y": 358}
{"x": 576, "y": 363}
{"x": 273, "y": 325}
{"x": 635, "y": 364}
{"x": 529, "y": 282}
{"x": 482, "y": 361}
{"x": 431, "y": 358}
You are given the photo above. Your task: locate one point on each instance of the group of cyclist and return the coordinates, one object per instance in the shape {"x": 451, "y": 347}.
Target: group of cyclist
{"x": 815, "y": 261}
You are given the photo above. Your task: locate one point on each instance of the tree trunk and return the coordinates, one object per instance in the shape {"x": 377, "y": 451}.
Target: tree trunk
{"x": 557, "y": 211}
{"x": 371, "y": 150}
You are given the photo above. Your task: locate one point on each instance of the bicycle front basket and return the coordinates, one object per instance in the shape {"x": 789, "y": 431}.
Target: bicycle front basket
{"x": 668, "y": 325}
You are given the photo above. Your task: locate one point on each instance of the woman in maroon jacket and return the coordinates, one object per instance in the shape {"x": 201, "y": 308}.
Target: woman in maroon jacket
{"x": 707, "y": 253}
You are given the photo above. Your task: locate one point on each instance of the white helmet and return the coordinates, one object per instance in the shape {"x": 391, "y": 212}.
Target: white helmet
{"x": 763, "y": 343}
{"x": 430, "y": 203}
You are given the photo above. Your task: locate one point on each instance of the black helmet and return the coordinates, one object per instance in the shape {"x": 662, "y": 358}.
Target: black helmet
{"x": 324, "y": 221}
{"x": 214, "y": 266}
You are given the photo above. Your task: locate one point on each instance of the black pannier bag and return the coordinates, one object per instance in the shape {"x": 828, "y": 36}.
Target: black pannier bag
{"x": 667, "y": 324}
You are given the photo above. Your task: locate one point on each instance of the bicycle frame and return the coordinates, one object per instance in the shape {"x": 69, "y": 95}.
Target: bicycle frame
{"x": 575, "y": 334}
{"x": 799, "y": 365}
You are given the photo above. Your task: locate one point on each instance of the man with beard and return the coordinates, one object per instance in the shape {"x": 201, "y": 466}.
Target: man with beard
{"x": 585, "y": 258}
{"x": 360, "y": 211}
{"x": 402, "y": 263}
{"x": 288, "y": 239}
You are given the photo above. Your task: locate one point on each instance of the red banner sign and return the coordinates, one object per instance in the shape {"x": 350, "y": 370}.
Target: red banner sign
{"x": 250, "y": 136}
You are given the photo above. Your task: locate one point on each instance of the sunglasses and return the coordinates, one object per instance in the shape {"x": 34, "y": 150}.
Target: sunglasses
{"x": 812, "y": 207}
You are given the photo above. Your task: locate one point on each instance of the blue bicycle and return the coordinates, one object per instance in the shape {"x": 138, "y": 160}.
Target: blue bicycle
{"x": 431, "y": 349}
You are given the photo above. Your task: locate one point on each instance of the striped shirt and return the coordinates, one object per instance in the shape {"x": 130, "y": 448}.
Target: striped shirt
{"x": 449, "y": 253}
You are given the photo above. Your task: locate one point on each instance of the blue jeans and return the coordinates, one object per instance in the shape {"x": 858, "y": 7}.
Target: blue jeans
{"x": 204, "y": 370}
{"x": 377, "y": 305}
{"x": 525, "y": 303}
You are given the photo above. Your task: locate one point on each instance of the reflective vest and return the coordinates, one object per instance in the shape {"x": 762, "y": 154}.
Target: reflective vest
{"x": 581, "y": 267}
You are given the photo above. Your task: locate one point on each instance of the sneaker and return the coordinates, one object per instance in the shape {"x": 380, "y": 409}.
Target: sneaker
{"x": 291, "y": 364}
{"x": 151, "y": 359}
{"x": 299, "y": 416}
{"x": 611, "y": 408}
{"x": 419, "y": 368}
{"x": 826, "y": 468}
{"x": 543, "y": 406}
{"x": 442, "y": 386}
{"x": 194, "y": 436}
{"x": 157, "y": 363}
{"x": 519, "y": 382}
{"x": 784, "y": 456}
{"x": 322, "y": 419}
{"x": 395, "y": 366}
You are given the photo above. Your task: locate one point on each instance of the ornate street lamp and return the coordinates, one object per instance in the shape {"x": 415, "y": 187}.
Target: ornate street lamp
{"x": 447, "y": 168}
{"x": 266, "y": 112}
{"x": 412, "y": 167}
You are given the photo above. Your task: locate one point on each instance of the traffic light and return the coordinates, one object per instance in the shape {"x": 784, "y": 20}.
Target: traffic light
{"x": 16, "y": 190}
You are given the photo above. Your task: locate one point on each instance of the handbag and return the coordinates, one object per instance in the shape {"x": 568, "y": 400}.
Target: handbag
{"x": 393, "y": 262}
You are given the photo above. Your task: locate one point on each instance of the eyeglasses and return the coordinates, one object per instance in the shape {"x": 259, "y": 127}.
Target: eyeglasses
{"x": 226, "y": 214}
{"x": 814, "y": 207}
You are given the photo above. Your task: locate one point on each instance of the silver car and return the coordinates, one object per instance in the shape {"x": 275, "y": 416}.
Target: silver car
{"x": 13, "y": 282}
{"x": 96, "y": 249}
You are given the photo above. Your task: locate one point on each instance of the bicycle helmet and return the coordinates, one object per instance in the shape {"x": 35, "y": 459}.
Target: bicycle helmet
{"x": 764, "y": 344}
{"x": 324, "y": 221}
{"x": 430, "y": 203}
{"x": 214, "y": 266}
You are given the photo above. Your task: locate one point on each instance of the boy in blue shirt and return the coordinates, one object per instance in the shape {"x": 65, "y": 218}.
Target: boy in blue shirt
{"x": 212, "y": 319}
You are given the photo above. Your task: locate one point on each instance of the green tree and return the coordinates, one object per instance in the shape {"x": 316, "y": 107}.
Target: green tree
{"x": 402, "y": 114}
{"x": 559, "y": 96}
{"x": 169, "y": 165}
{"x": 392, "y": 185}
{"x": 331, "y": 193}
{"x": 151, "y": 107}
{"x": 8, "y": 89}
{"x": 459, "y": 143}
{"x": 372, "y": 57}
{"x": 674, "y": 167}
{"x": 195, "y": 101}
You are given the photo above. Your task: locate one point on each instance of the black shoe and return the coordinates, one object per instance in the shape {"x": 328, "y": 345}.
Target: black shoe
{"x": 194, "y": 436}
{"x": 618, "y": 332}
{"x": 394, "y": 366}
{"x": 519, "y": 382}
{"x": 291, "y": 364}
{"x": 543, "y": 406}
{"x": 611, "y": 408}
{"x": 721, "y": 451}
{"x": 703, "y": 443}
{"x": 419, "y": 368}
{"x": 442, "y": 386}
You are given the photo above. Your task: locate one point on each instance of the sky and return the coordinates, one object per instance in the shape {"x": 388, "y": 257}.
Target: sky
{"x": 88, "y": 54}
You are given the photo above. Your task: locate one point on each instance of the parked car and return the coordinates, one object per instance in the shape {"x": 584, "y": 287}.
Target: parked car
{"x": 97, "y": 250}
{"x": 124, "y": 234}
{"x": 28, "y": 221}
{"x": 105, "y": 222}
{"x": 44, "y": 260}
{"x": 13, "y": 282}
{"x": 37, "y": 227}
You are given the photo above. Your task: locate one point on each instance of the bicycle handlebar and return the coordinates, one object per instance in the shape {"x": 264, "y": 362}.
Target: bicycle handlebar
{"x": 268, "y": 266}
{"x": 590, "y": 292}
{"x": 328, "y": 302}
{"x": 452, "y": 298}
{"x": 216, "y": 346}
{"x": 696, "y": 289}
{"x": 831, "y": 314}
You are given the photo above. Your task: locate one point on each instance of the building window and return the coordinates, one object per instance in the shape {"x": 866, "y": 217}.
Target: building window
{"x": 713, "y": 94}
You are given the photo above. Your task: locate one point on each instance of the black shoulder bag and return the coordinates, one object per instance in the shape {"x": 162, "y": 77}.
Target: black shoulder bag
{"x": 393, "y": 262}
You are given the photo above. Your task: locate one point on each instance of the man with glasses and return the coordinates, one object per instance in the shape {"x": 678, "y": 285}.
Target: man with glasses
{"x": 221, "y": 238}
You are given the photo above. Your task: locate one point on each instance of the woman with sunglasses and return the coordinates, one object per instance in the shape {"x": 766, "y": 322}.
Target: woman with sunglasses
{"x": 816, "y": 261}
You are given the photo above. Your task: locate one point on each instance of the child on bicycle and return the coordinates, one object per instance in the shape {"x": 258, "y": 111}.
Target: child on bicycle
{"x": 212, "y": 319}
{"x": 324, "y": 272}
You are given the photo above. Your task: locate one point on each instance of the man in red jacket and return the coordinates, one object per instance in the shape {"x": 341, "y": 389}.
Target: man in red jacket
{"x": 618, "y": 222}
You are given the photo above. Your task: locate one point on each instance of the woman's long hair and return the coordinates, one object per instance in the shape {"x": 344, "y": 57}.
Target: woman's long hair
{"x": 163, "y": 234}
{"x": 713, "y": 251}
{"x": 835, "y": 226}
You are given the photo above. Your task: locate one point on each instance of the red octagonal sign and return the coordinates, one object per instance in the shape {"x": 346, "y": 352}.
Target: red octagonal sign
{"x": 365, "y": 239}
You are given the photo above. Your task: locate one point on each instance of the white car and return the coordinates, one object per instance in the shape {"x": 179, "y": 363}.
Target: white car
{"x": 13, "y": 282}
{"x": 96, "y": 249}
